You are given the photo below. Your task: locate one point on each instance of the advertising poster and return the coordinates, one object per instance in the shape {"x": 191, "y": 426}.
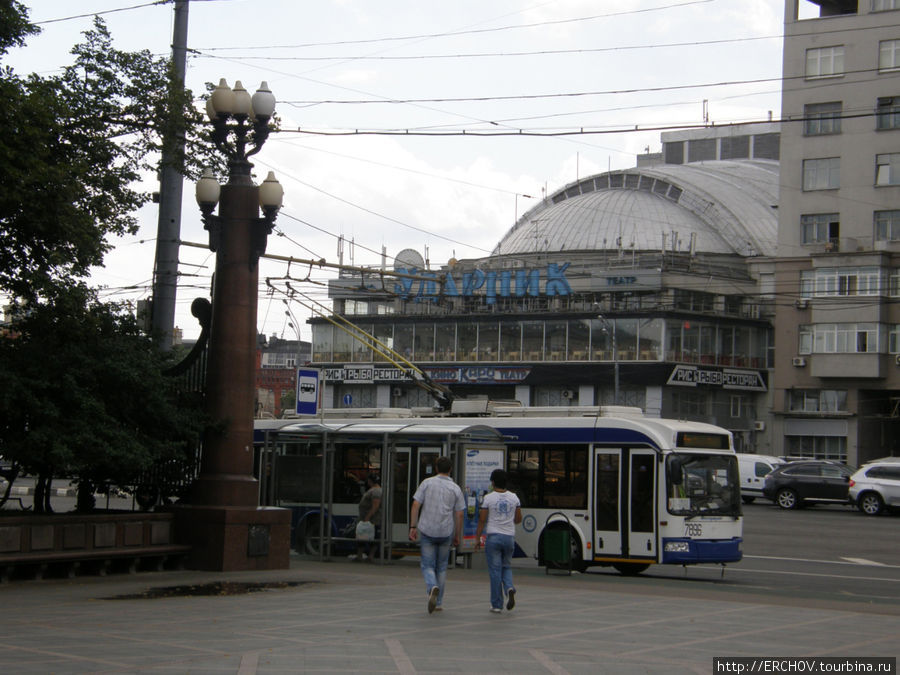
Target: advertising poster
{"x": 477, "y": 483}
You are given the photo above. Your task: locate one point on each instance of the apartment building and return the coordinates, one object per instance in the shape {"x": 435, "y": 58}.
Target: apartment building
{"x": 836, "y": 383}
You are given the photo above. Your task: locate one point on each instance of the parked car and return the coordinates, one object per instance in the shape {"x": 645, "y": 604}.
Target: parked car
{"x": 795, "y": 484}
{"x": 753, "y": 470}
{"x": 876, "y": 485}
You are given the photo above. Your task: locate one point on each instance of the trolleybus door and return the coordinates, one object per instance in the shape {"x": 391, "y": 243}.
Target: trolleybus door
{"x": 642, "y": 503}
{"x": 409, "y": 467}
{"x": 623, "y": 502}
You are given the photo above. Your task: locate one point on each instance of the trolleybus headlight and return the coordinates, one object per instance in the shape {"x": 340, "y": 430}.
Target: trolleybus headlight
{"x": 678, "y": 547}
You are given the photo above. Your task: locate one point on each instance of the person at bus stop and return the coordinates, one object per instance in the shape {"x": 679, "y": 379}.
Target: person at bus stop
{"x": 369, "y": 512}
{"x": 500, "y": 512}
{"x": 435, "y": 520}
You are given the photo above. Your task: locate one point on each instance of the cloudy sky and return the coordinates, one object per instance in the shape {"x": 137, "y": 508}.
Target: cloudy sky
{"x": 426, "y": 125}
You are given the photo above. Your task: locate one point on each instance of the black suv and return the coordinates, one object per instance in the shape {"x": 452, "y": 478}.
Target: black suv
{"x": 809, "y": 481}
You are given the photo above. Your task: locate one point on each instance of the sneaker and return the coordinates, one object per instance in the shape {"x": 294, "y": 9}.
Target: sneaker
{"x": 496, "y": 610}
{"x": 352, "y": 557}
{"x": 364, "y": 557}
{"x": 511, "y": 599}
{"x": 438, "y": 609}
{"x": 433, "y": 598}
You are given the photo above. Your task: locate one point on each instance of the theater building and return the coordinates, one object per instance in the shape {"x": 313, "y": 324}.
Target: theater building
{"x": 650, "y": 287}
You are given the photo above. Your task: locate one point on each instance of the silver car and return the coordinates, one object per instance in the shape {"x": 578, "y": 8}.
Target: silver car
{"x": 876, "y": 485}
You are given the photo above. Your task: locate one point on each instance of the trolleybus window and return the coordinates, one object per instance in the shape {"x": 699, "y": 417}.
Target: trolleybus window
{"x": 547, "y": 477}
{"x": 703, "y": 484}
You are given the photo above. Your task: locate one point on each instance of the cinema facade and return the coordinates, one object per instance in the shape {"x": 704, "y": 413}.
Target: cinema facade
{"x": 647, "y": 287}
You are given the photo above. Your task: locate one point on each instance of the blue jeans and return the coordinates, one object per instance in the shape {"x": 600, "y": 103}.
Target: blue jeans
{"x": 435, "y": 554}
{"x": 498, "y": 550}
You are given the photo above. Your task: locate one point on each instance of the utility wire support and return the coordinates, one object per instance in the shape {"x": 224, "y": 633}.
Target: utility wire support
{"x": 165, "y": 273}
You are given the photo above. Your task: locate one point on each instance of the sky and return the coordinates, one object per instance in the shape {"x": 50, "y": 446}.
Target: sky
{"x": 425, "y": 125}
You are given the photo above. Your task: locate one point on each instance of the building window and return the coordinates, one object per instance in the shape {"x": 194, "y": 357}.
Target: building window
{"x": 822, "y": 118}
{"x": 887, "y": 113}
{"x": 825, "y": 61}
{"x": 822, "y": 174}
{"x": 819, "y": 228}
{"x": 887, "y": 225}
{"x": 818, "y": 447}
{"x": 888, "y": 55}
{"x": 885, "y": 5}
{"x": 887, "y": 169}
{"x": 894, "y": 339}
{"x": 835, "y": 281}
{"x": 737, "y": 405}
{"x": 894, "y": 288}
{"x": 817, "y": 400}
{"x": 843, "y": 338}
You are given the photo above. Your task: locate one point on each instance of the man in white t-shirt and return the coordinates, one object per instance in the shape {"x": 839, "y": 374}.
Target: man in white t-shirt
{"x": 500, "y": 512}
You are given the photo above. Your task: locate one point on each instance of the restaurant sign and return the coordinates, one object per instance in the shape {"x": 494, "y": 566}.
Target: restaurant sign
{"x": 726, "y": 378}
{"x": 368, "y": 374}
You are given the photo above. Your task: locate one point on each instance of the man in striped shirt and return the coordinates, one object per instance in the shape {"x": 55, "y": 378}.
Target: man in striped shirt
{"x": 436, "y": 521}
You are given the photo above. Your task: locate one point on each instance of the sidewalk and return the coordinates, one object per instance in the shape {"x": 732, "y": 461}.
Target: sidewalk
{"x": 358, "y": 617}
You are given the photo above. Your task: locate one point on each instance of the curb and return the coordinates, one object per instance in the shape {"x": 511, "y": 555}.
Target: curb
{"x": 55, "y": 492}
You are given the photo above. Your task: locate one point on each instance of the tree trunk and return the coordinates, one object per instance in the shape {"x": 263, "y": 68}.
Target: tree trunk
{"x": 41, "y": 496}
{"x": 85, "y": 502}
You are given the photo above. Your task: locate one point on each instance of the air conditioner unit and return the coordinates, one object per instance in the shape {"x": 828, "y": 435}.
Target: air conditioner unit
{"x": 759, "y": 425}
{"x": 802, "y": 303}
{"x": 798, "y": 361}
{"x": 568, "y": 393}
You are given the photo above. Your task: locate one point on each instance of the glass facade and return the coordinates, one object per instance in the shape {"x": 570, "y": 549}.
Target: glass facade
{"x": 624, "y": 339}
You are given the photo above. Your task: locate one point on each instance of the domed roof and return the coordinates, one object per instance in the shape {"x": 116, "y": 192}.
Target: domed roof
{"x": 725, "y": 207}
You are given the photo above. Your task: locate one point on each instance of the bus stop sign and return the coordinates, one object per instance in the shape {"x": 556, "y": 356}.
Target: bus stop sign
{"x": 308, "y": 391}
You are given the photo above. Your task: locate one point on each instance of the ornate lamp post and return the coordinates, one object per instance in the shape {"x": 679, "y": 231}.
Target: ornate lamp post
{"x": 223, "y": 522}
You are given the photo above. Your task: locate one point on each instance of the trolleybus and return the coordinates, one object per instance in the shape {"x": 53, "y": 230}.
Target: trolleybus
{"x": 624, "y": 490}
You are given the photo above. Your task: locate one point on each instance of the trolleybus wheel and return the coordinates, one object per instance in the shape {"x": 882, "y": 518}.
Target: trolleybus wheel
{"x": 630, "y": 569}
{"x": 311, "y": 544}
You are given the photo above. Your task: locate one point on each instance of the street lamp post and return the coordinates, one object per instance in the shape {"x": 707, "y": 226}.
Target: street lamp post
{"x": 224, "y": 524}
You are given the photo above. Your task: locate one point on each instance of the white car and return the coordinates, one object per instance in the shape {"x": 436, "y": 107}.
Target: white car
{"x": 753, "y": 470}
{"x": 876, "y": 485}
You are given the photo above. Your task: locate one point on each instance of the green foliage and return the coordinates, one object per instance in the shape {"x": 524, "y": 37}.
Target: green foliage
{"x": 74, "y": 147}
{"x": 82, "y": 394}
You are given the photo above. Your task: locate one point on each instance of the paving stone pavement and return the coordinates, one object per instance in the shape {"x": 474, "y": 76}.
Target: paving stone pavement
{"x": 354, "y": 617}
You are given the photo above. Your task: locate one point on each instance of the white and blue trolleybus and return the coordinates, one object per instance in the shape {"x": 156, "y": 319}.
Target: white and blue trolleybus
{"x": 626, "y": 490}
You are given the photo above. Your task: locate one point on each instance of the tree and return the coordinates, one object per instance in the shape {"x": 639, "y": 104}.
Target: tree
{"x": 73, "y": 149}
{"x": 99, "y": 408}
{"x": 81, "y": 390}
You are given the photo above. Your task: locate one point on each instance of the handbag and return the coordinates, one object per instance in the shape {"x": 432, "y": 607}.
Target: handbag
{"x": 365, "y": 531}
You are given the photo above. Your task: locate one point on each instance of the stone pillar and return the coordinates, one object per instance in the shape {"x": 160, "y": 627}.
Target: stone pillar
{"x": 223, "y": 523}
